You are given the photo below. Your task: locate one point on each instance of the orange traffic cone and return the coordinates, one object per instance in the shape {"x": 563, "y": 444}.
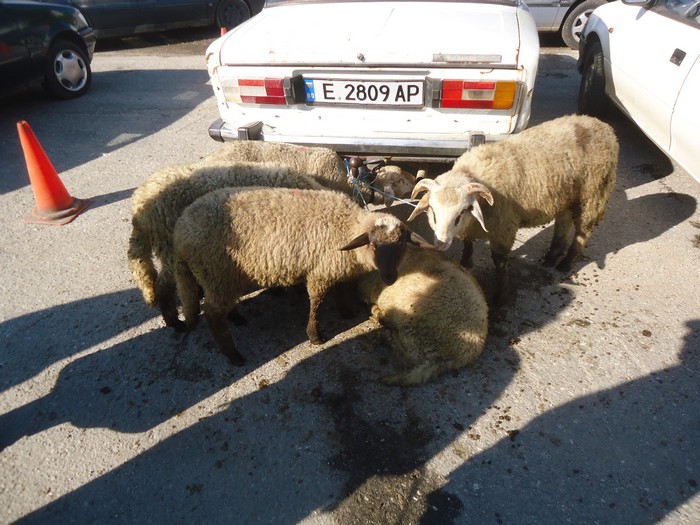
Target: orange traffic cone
{"x": 54, "y": 205}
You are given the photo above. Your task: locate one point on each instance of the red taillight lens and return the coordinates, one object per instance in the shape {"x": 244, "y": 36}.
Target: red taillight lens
{"x": 478, "y": 95}
{"x": 255, "y": 91}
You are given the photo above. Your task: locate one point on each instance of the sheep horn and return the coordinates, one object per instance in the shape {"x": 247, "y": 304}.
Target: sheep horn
{"x": 479, "y": 189}
{"x": 424, "y": 185}
{"x": 420, "y": 207}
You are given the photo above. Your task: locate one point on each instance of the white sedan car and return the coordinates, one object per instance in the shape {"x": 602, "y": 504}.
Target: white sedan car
{"x": 411, "y": 79}
{"x": 643, "y": 55}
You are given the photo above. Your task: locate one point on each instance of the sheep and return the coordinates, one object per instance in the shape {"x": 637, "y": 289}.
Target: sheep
{"x": 562, "y": 170}
{"x": 229, "y": 240}
{"x": 393, "y": 183}
{"x": 324, "y": 165}
{"x": 159, "y": 201}
{"x": 435, "y": 313}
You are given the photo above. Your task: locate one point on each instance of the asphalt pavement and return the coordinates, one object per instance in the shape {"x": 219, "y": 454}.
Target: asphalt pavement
{"x": 583, "y": 408}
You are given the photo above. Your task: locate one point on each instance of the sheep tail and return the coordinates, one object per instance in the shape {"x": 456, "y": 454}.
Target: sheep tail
{"x": 143, "y": 269}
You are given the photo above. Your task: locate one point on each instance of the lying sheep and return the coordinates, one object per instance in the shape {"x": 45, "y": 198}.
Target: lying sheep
{"x": 393, "y": 183}
{"x": 230, "y": 240}
{"x": 435, "y": 314}
{"x": 323, "y": 164}
{"x": 562, "y": 170}
{"x": 160, "y": 200}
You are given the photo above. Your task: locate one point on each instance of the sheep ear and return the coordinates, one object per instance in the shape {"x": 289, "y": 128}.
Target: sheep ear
{"x": 481, "y": 190}
{"x": 420, "y": 207}
{"x": 421, "y": 174}
{"x": 476, "y": 212}
{"x": 360, "y": 240}
{"x": 416, "y": 239}
{"x": 389, "y": 195}
{"x": 424, "y": 185}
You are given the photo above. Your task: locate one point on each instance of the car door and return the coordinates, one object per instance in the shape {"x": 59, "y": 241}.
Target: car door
{"x": 651, "y": 53}
{"x": 110, "y": 16}
{"x": 15, "y": 65}
{"x": 547, "y": 13}
{"x": 684, "y": 123}
{"x": 163, "y": 12}
{"x": 686, "y": 113}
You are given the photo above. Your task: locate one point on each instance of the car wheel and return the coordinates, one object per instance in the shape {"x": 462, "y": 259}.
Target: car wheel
{"x": 67, "y": 73}
{"x": 230, "y": 13}
{"x": 573, "y": 23}
{"x": 592, "y": 99}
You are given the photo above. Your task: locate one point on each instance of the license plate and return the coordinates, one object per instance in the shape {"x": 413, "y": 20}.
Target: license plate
{"x": 361, "y": 92}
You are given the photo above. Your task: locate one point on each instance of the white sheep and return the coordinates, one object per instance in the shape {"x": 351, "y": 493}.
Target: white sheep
{"x": 435, "y": 313}
{"x": 392, "y": 183}
{"x": 159, "y": 201}
{"x": 324, "y": 165}
{"x": 231, "y": 240}
{"x": 562, "y": 170}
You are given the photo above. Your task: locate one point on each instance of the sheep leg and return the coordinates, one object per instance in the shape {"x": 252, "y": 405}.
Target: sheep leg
{"x": 562, "y": 227}
{"x": 467, "y": 253}
{"x": 583, "y": 233}
{"x": 167, "y": 303}
{"x": 316, "y": 295}
{"x": 216, "y": 317}
{"x": 189, "y": 292}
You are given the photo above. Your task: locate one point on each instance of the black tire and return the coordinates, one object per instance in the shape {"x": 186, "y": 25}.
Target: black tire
{"x": 230, "y": 13}
{"x": 592, "y": 99}
{"x": 67, "y": 72}
{"x": 575, "y": 20}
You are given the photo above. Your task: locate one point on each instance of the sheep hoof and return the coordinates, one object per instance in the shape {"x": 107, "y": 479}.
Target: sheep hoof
{"x": 235, "y": 358}
{"x": 565, "y": 266}
{"x": 177, "y": 325}
{"x": 548, "y": 261}
{"x": 316, "y": 339}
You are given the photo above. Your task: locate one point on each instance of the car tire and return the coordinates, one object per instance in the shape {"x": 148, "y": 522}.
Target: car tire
{"x": 67, "y": 72}
{"x": 573, "y": 23}
{"x": 230, "y": 13}
{"x": 592, "y": 99}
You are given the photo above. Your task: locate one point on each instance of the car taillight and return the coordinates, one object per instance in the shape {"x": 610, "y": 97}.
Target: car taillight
{"x": 255, "y": 91}
{"x": 478, "y": 94}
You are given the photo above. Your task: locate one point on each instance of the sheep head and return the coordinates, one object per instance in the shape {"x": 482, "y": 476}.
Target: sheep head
{"x": 394, "y": 182}
{"x": 450, "y": 209}
{"x": 386, "y": 237}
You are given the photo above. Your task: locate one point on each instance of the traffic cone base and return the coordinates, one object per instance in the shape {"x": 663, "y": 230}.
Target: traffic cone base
{"x": 54, "y": 205}
{"x": 58, "y": 218}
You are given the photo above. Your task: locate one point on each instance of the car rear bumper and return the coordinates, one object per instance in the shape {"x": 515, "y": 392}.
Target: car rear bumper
{"x": 396, "y": 148}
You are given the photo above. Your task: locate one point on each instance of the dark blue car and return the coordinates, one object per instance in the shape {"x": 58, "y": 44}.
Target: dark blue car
{"x": 48, "y": 44}
{"x": 120, "y": 18}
